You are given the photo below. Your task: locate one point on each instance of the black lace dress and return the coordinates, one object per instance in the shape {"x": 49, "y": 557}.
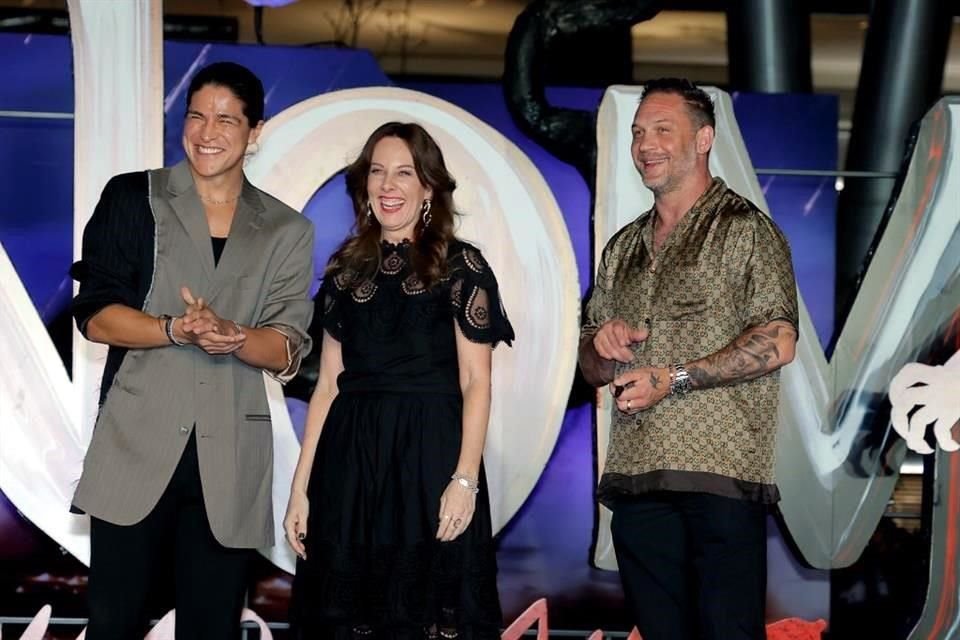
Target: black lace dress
{"x": 390, "y": 442}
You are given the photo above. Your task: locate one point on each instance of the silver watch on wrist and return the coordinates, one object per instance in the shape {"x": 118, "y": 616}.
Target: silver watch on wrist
{"x": 679, "y": 380}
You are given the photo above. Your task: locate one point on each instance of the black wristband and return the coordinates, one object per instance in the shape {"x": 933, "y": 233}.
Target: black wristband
{"x": 168, "y": 329}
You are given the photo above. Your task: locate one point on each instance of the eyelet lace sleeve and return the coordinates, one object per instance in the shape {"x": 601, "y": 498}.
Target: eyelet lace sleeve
{"x": 327, "y": 311}
{"x": 475, "y": 298}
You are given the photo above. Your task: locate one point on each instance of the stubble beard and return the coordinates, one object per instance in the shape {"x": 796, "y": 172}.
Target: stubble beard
{"x": 675, "y": 179}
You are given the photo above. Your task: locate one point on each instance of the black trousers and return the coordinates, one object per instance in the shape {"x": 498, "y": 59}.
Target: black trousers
{"x": 210, "y": 579}
{"x": 693, "y": 565}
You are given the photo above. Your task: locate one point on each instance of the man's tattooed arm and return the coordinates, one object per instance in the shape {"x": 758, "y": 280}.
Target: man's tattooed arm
{"x": 597, "y": 370}
{"x": 755, "y": 352}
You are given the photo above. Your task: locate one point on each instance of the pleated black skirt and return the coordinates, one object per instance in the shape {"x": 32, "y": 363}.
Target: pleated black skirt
{"x": 374, "y": 568}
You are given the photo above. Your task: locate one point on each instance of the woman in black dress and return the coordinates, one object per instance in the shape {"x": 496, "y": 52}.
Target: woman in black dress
{"x": 389, "y": 510}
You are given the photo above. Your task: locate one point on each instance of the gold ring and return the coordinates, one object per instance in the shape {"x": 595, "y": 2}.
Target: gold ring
{"x": 628, "y": 405}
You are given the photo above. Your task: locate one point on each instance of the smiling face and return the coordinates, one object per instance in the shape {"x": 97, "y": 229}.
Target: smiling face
{"x": 394, "y": 189}
{"x": 216, "y": 133}
{"x": 668, "y": 149}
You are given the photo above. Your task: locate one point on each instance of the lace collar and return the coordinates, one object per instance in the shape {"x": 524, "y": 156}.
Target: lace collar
{"x": 386, "y": 245}
{"x": 393, "y": 256}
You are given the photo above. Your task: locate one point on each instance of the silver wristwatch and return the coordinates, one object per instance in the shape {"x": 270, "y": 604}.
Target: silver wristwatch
{"x": 679, "y": 380}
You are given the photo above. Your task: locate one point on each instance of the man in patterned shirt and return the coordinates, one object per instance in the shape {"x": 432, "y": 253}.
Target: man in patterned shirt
{"x": 693, "y": 311}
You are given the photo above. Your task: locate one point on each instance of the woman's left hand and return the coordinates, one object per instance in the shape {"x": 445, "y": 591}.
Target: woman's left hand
{"x": 457, "y": 505}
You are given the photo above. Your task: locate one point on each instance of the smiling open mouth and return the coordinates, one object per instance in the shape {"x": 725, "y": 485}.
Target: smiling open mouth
{"x": 391, "y": 205}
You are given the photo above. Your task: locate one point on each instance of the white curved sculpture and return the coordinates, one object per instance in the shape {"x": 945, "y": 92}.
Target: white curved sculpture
{"x": 46, "y": 420}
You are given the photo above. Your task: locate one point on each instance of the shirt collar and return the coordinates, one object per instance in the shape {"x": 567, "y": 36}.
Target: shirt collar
{"x": 707, "y": 201}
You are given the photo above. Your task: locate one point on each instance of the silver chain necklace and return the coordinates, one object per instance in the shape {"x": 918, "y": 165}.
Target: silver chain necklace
{"x": 212, "y": 201}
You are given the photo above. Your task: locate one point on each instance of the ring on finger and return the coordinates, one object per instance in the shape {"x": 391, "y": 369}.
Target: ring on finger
{"x": 628, "y": 405}
{"x": 457, "y": 522}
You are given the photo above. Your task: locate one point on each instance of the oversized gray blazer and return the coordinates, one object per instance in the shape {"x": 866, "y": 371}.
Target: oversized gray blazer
{"x": 158, "y": 396}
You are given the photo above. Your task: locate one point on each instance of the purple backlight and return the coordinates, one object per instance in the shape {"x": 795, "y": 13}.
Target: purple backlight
{"x": 269, "y": 3}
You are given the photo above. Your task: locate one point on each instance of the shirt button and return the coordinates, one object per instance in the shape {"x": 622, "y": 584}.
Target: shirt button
{"x": 184, "y": 429}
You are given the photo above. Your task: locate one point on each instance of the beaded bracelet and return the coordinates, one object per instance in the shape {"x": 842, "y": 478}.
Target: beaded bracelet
{"x": 468, "y": 483}
{"x": 168, "y": 329}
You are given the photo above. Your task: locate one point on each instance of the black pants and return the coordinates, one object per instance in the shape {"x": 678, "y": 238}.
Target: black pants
{"x": 210, "y": 579}
{"x": 693, "y": 565}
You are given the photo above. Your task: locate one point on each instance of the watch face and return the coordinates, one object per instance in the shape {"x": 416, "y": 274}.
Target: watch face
{"x": 679, "y": 381}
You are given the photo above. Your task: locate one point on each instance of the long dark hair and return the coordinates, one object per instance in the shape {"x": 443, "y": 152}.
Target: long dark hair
{"x": 359, "y": 256}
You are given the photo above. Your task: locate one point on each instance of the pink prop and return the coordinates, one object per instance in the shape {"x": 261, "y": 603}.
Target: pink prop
{"x": 795, "y": 629}
{"x": 163, "y": 630}
{"x": 249, "y": 616}
{"x": 598, "y": 635}
{"x": 38, "y": 626}
{"x": 537, "y": 612}
{"x": 787, "y": 629}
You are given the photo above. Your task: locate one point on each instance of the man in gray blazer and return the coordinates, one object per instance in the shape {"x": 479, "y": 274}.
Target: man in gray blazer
{"x": 199, "y": 282}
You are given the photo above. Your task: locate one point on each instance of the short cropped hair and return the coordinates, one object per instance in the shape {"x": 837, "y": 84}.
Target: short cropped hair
{"x": 699, "y": 104}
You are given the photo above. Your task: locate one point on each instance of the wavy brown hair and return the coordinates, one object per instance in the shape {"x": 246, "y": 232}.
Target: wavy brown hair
{"x": 360, "y": 253}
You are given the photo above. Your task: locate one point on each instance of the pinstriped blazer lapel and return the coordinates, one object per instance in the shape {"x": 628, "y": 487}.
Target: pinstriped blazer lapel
{"x": 186, "y": 204}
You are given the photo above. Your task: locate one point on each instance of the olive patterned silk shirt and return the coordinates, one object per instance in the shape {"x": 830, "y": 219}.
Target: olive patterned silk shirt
{"x": 724, "y": 268}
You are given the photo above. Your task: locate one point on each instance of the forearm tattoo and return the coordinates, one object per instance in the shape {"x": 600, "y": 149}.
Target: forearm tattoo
{"x": 597, "y": 371}
{"x": 751, "y": 355}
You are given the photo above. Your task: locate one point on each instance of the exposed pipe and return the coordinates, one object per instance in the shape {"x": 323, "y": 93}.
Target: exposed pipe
{"x": 900, "y": 79}
{"x": 569, "y": 134}
{"x": 768, "y": 46}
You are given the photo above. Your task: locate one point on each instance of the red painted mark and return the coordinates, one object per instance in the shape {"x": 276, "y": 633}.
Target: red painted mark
{"x": 932, "y": 168}
{"x": 953, "y": 328}
{"x": 946, "y": 610}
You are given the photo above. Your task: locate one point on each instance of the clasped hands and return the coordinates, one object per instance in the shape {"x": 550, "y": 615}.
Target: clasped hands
{"x": 201, "y": 326}
{"x": 637, "y": 389}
